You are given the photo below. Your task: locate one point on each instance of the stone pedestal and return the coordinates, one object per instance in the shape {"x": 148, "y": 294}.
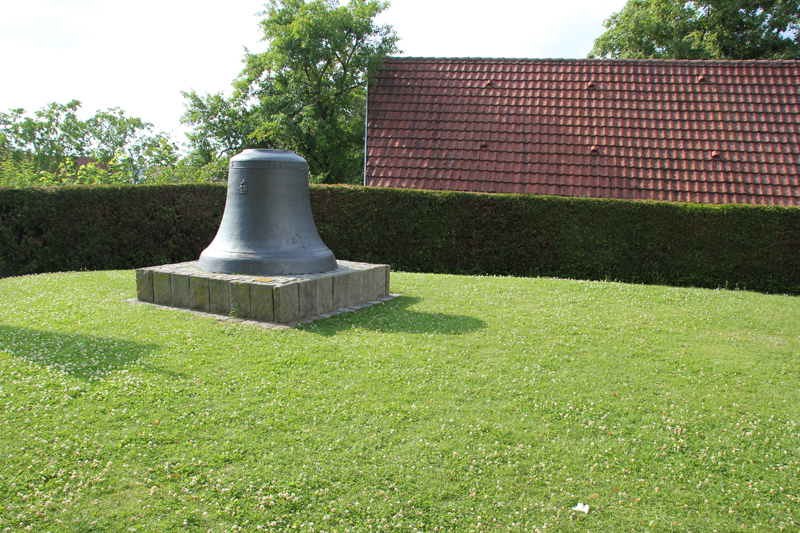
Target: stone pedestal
{"x": 267, "y": 299}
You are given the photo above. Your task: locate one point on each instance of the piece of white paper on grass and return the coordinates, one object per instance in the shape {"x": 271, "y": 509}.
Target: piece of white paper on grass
{"x": 584, "y": 508}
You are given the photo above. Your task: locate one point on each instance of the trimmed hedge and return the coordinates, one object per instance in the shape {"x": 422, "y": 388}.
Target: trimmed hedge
{"x": 105, "y": 227}
{"x": 729, "y": 246}
{"x": 734, "y": 246}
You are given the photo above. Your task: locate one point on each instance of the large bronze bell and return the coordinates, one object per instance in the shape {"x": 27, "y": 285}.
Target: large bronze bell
{"x": 267, "y": 228}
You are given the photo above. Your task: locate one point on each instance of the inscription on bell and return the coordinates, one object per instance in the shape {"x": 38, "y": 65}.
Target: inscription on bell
{"x": 243, "y": 187}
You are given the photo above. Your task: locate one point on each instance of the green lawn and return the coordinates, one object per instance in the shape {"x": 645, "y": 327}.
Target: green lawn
{"x": 467, "y": 404}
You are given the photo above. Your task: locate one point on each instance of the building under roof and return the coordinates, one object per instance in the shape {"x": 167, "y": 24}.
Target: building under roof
{"x": 684, "y": 131}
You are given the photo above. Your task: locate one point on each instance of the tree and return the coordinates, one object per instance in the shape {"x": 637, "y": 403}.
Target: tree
{"x": 45, "y": 146}
{"x": 221, "y": 129}
{"x": 702, "y": 29}
{"x": 52, "y": 135}
{"x": 306, "y": 93}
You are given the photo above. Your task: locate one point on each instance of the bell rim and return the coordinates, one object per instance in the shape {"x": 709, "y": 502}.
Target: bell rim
{"x": 268, "y": 264}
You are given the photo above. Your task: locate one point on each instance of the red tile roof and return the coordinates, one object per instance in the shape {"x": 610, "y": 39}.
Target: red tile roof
{"x": 687, "y": 131}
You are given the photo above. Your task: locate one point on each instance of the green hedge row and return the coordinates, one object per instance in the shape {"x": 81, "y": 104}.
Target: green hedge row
{"x": 734, "y": 246}
{"x": 105, "y": 227}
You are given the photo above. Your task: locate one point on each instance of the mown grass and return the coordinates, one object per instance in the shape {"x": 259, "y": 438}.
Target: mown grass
{"x": 467, "y": 404}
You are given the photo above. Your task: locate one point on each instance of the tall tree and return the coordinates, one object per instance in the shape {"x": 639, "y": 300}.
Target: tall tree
{"x": 306, "y": 91}
{"x": 702, "y": 29}
{"x": 310, "y": 83}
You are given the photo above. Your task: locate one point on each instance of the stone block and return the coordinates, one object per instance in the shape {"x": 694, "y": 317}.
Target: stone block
{"x": 219, "y": 301}
{"x": 285, "y": 303}
{"x": 240, "y": 299}
{"x": 375, "y": 285}
{"x": 162, "y": 288}
{"x": 381, "y": 274}
{"x": 340, "y": 282}
{"x": 325, "y": 295}
{"x": 144, "y": 285}
{"x": 180, "y": 290}
{"x": 261, "y": 302}
{"x": 369, "y": 285}
{"x": 356, "y": 287}
{"x": 198, "y": 294}
{"x": 307, "y": 298}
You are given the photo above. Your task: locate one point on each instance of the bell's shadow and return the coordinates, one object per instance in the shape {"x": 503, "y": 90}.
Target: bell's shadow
{"x": 395, "y": 316}
{"x": 76, "y": 354}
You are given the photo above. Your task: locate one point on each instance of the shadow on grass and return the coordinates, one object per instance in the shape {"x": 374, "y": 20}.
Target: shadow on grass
{"x": 395, "y": 317}
{"x": 76, "y": 354}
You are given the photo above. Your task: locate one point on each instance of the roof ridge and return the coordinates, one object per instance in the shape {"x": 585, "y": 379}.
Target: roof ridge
{"x": 597, "y": 60}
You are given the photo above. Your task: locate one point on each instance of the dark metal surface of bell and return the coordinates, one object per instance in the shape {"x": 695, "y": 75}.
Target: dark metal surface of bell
{"x": 267, "y": 227}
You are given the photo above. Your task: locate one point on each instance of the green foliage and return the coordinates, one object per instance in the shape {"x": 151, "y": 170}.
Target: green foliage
{"x": 48, "y": 138}
{"x": 702, "y": 29}
{"x": 306, "y": 93}
{"x": 730, "y": 246}
{"x": 222, "y": 129}
{"x": 21, "y": 171}
{"x": 45, "y": 149}
{"x": 189, "y": 170}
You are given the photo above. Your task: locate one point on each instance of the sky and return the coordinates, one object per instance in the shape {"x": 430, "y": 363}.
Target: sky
{"x": 139, "y": 56}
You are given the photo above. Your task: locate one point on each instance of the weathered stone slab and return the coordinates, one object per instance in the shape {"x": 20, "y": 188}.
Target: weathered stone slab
{"x": 340, "y": 284}
{"x": 198, "y": 294}
{"x": 380, "y": 281}
{"x": 162, "y": 288}
{"x": 325, "y": 295}
{"x": 261, "y": 302}
{"x": 374, "y": 285}
{"x": 285, "y": 304}
{"x": 356, "y": 287}
{"x": 144, "y": 285}
{"x": 387, "y": 269}
{"x": 180, "y": 290}
{"x": 218, "y": 296}
{"x": 240, "y": 298}
{"x": 307, "y": 298}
